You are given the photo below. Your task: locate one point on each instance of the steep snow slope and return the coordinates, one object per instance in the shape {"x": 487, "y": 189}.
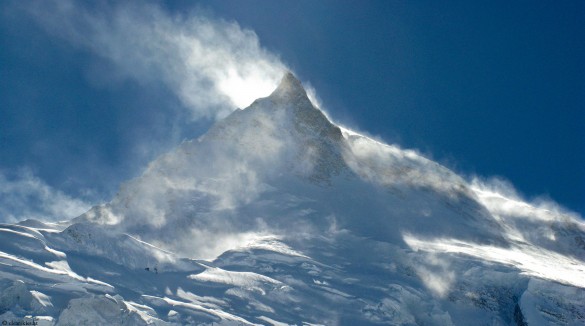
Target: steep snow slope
{"x": 278, "y": 216}
{"x": 281, "y": 166}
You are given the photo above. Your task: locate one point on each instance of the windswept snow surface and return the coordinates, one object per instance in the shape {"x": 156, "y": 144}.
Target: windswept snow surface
{"x": 277, "y": 216}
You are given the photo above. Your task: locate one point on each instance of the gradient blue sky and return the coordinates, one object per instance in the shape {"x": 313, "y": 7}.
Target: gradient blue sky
{"x": 488, "y": 88}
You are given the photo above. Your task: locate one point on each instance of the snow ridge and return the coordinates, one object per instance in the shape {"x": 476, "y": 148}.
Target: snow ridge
{"x": 278, "y": 216}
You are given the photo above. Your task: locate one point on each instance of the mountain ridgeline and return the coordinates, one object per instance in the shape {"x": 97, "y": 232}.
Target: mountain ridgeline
{"x": 278, "y": 216}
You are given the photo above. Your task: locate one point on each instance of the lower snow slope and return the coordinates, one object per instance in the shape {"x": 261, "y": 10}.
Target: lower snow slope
{"x": 303, "y": 252}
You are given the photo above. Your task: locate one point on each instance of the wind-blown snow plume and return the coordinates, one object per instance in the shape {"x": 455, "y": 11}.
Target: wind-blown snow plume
{"x": 500, "y": 197}
{"x": 212, "y": 65}
{"x": 26, "y": 196}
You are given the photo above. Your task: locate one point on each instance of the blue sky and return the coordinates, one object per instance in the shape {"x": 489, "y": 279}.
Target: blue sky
{"x": 91, "y": 92}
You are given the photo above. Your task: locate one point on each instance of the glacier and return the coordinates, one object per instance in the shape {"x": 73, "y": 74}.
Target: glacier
{"x": 277, "y": 216}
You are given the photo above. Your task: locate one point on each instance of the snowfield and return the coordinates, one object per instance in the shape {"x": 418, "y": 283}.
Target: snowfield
{"x": 277, "y": 216}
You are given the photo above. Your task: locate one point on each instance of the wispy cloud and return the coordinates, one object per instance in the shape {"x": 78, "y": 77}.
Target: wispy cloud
{"x": 24, "y": 196}
{"x": 501, "y": 198}
{"x": 531, "y": 260}
{"x": 544, "y": 239}
{"x": 211, "y": 65}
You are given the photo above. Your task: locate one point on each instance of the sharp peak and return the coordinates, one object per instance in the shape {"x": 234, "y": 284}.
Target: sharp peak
{"x": 289, "y": 85}
{"x": 290, "y": 78}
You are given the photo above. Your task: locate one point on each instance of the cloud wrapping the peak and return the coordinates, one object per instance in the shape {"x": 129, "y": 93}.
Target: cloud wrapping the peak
{"x": 211, "y": 65}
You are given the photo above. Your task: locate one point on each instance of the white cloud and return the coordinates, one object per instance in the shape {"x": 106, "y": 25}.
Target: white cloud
{"x": 26, "y": 196}
{"x": 211, "y": 65}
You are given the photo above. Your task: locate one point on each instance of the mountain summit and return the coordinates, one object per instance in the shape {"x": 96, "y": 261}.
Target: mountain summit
{"x": 279, "y": 216}
{"x": 289, "y": 86}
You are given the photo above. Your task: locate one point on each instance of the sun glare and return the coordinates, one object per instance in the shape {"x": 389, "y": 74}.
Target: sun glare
{"x": 243, "y": 90}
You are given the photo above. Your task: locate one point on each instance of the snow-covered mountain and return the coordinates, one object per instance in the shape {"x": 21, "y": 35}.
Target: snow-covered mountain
{"x": 277, "y": 216}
